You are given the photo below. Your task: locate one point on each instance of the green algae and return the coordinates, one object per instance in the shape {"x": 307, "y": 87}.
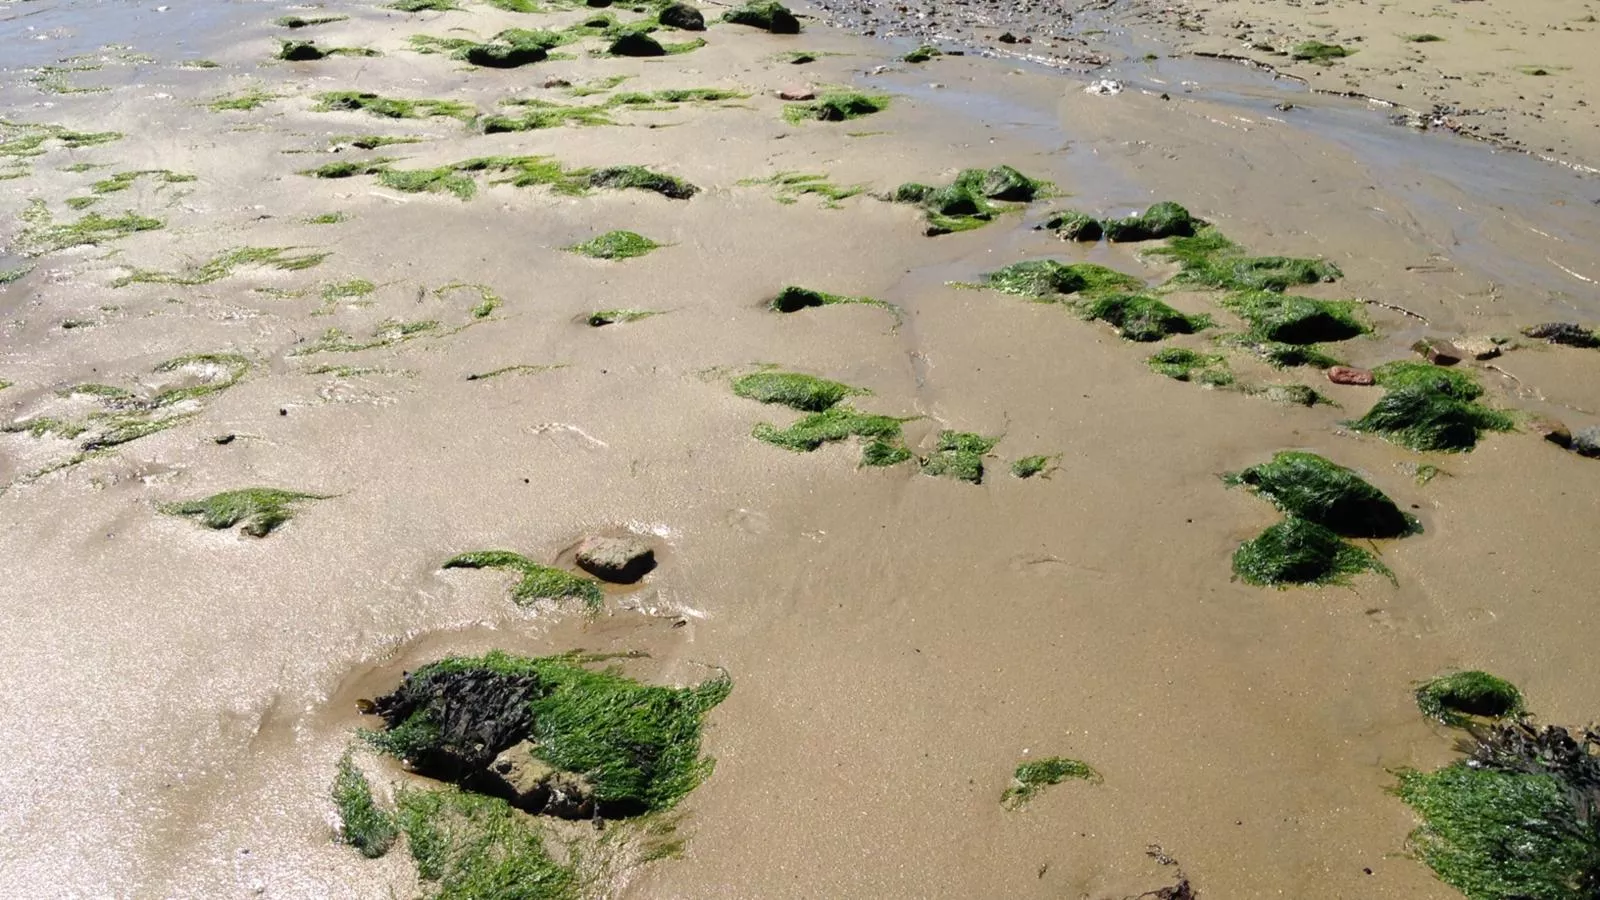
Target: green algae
{"x": 616, "y": 245}
{"x": 959, "y": 455}
{"x": 637, "y": 745}
{"x": 387, "y": 334}
{"x": 1032, "y": 777}
{"x": 362, "y": 825}
{"x": 10, "y": 276}
{"x": 1188, "y": 365}
{"x": 424, "y": 5}
{"x": 121, "y": 181}
{"x": 19, "y": 140}
{"x": 534, "y": 115}
{"x": 1141, "y": 317}
{"x": 793, "y": 298}
{"x": 509, "y": 49}
{"x": 1162, "y": 220}
{"x": 519, "y": 369}
{"x": 41, "y": 234}
{"x": 1428, "y": 408}
{"x": 882, "y": 434}
{"x": 81, "y": 203}
{"x": 246, "y": 100}
{"x": 1494, "y": 833}
{"x": 1460, "y": 697}
{"x": 308, "y": 51}
{"x": 836, "y": 106}
{"x": 806, "y": 393}
{"x": 307, "y": 21}
{"x": 643, "y": 179}
{"x": 392, "y": 107}
{"x": 966, "y": 203}
{"x": 1047, "y": 279}
{"x": 1317, "y": 490}
{"x": 443, "y": 180}
{"x": 259, "y": 511}
{"x": 1280, "y": 355}
{"x": 1040, "y": 465}
{"x": 473, "y": 846}
{"x": 1291, "y": 395}
{"x": 333, "y": 218}
{"x": 1298, "y": 552}
{"x": 768, "y": 15}
{"x": 537, "y": 582}
{"x": 1209, "y": 259}
{"x": 789, "y": 187}
{"x": 1289, "y": 319}
{"x": 1071, "y": 225}
{"x": 605, "y": 317}
{"x": 922, "y": 54}
{"x": 284, "y": 259}
{"x": 1318, "y": 52}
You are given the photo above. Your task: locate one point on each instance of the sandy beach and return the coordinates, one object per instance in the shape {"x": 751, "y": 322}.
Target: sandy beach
{"x": 424, "y": 361}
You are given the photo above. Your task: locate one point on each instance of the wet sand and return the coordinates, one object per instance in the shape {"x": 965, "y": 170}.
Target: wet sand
{"x": 897, "y": 642}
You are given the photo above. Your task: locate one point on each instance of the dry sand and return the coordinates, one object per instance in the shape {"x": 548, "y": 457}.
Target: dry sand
{"x": 178, "y": 697}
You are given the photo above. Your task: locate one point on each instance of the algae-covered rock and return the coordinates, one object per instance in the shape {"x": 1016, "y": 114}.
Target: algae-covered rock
{"x": 1311, "y": 487}
{"x": 1455, "y": 698}
{"x": 636, "y": 745}
{"x": 1289, "y": 319}
{"x": 1141, "y": 317}
{"x": 1045, "y": 278}
{"x": 300, "y": 51}
{"x": 681, "y": 16}
{"x": 1163, "y": 220}
{"x": 1001, "y": 183}
{"x": 258, "y": 511}
{"x": 1070, "y": 225}
{"x": 922, "y": 54}
{"x": 1430, "y": 408}
{"x": 1515, "y": 819}
{"x": 506, "y": 54}
{"x": 636, "y": 43}
{"x": 768, "y": 15}
{"x": 965, "y": 203}
{"x": 1296, "y": 551}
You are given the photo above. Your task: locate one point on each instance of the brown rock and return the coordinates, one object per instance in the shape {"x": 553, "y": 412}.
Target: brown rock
{"x": 1349, "y": 375}
{"x": 797, "y": 93}
{"x": 1552, "y": 430}
{"x": 621, "y": 560}
{"x": 557, "y": 83}
{"x": 532, "y": 784}
{"x": 1440, "y": 353}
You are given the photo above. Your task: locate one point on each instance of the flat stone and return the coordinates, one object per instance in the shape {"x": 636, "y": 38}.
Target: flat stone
{"x": 797, "y": 93}
{"x": 1438, "y": 352}
{"x": 1479, "y": 347}
{"x": 1551, "y": 429}
{"x": 521, "y": 776}
{"x": 1349, "y": 375}
{"x": 621, "y": 560}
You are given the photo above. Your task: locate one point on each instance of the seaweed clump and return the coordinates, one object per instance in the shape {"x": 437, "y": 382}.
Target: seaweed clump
{"x": 1428, "y": 408}
{"x": 1456, "y": 699}
{"x": 1318, "y": 52}
{"x": 362, "y": 824}
{"x": 616, "y": 245}
{"x": 1516, "y": 817}
{"x": 1040, "y": 465}
{"x": 635, "y": 747}
{"x": 1032, "y": 777}
{"x": 1207, "y": 258}
{"x": 1071, "y": 225}
{"x": 1296, "y": 551}
{"x": 1289, "y": 319}
{"x": 643, "y": 179}
{"x": 1182, "y": 364}
{"x": 884, "y": 447}
{"x": 1162, "y": 220}
{"x": 537, "y": 582}
{"x": 1046, "y": 279}
{"x": 1311, "y": 487}
{"x": 836, "y": 106}
{"x": 1141, "y": 317}
{"x": 959, "y": 455}
{"x": 965, "y": 203}
{"x": 260, "y": 510}
{"x": 806, "y": 393}
{"x": 793, "y": 299}
{"x": 768, "y": 15}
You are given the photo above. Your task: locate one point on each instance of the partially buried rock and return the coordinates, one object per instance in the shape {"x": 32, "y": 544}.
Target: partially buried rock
{"x": 768, "y": 15}
{"x": 682, "y": 16}
{"x": 1438, "y": 352}
{"x": 1552, "y": 430}
{"x": 634, "y": 43}
{"x": 1071, "y": 225}
{"x": 1479, "y": 347}
{"x": 797, "y": 93}
{"x": 1586, "y": 441}
{"x": 1563, "y": 333}
{"x": 619, "y": 560}
{"x": 531, "y": 784}
{"x": 1348, "y": 375}
{"x": 300, "y": 51}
